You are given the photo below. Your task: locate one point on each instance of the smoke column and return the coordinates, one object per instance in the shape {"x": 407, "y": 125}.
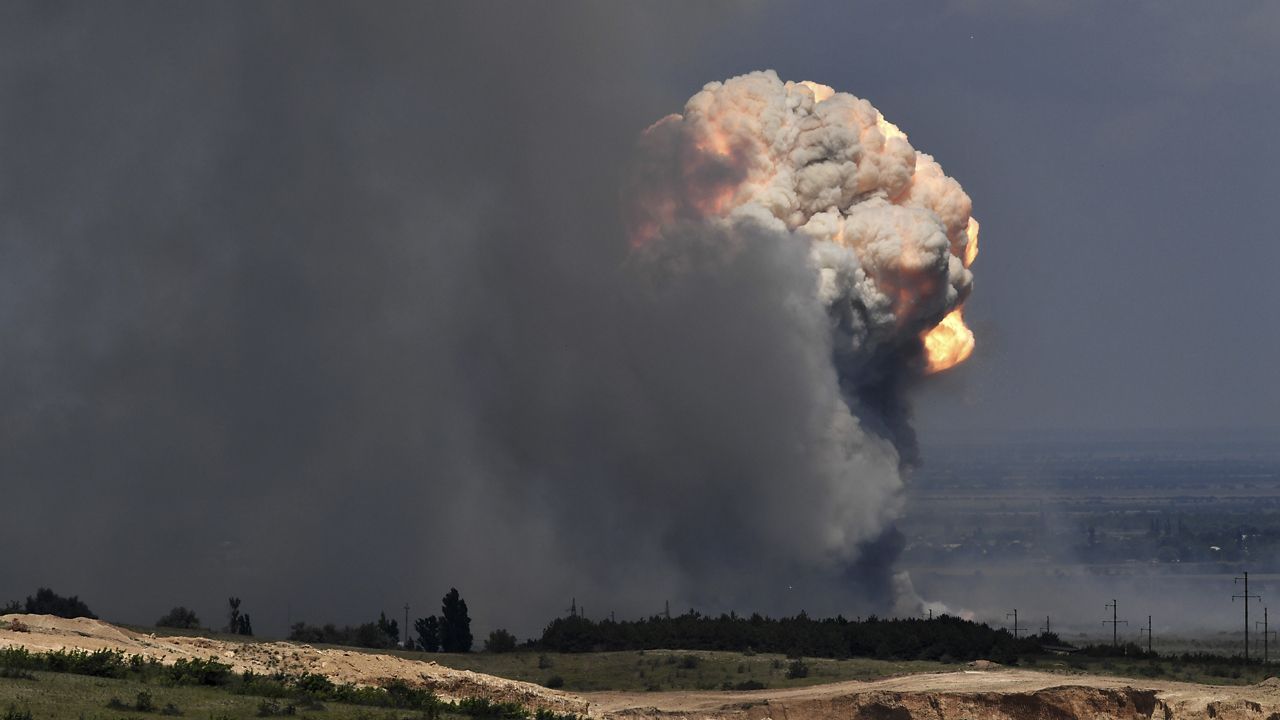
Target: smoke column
{"x": 283, "y": 323}
{"x": 887, "y": 239}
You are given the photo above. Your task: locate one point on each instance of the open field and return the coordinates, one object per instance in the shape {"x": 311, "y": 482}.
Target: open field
{"x": 657, "y": 670}
{"x": 994, "y": 694}
{"x": 61, "y": 696}
{"x": 662, "y": 670}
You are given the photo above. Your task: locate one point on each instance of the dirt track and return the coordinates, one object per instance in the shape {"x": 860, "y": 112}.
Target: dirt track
{"x": 998, "y": 694}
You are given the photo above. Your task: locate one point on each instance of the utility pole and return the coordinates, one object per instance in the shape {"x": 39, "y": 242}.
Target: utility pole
{"x": 930, "y": 613}
{"x": 1147, "y": 630}
{"x": 406, "y": 626}
{"x": 1246, "y": 597}
{"x": 1014, "y": 614}
{"x": 1115, "y": 624}
{"x": 1266, "y": 634}
{"x": 1046, "y": 629}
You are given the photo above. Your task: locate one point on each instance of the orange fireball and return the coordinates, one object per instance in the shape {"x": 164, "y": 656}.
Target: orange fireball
{"x": 951, "y": 342}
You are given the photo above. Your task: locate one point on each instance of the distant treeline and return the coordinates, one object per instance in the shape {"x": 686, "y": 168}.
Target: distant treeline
{"x": 943, "y": 638}
{"x": 381, "y": 634}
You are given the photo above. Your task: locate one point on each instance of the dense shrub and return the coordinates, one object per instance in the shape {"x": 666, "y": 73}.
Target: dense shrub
{"x": 100, "y": 663}
{"x": 744, "y": 685}
{"x": 272, "y": 708}
{"x": 485, "y": 708}
{"x": 198, "y": 671}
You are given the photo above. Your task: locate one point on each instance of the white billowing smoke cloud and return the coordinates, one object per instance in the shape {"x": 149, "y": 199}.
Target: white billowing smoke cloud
{"x": 888, "y": 231}
{"x": 886, "y": 238}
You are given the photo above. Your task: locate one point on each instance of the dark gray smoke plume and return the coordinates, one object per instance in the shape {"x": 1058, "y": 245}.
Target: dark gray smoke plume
{"x": 331, "y": 309}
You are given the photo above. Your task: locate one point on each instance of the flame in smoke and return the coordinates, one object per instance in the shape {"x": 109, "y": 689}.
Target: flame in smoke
{"x": 951, "y": 342}
{"x": 948, "y": 344}
{"x": 971, "y": 247}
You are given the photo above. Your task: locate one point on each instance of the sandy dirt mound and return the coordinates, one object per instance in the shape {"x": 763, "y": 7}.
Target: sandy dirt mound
{"x": 45, "y": 632}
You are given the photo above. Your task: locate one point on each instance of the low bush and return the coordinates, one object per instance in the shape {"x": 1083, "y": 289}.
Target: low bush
{"x": 272, "y": 708}
{"x": 744, "y": 685}
{"x": 485, "y": 708}
{"x": 198, "y": 671}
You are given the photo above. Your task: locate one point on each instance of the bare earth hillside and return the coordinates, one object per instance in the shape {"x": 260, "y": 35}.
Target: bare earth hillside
{"x": 45, "y": 632}
{"x": 986, "y": 693}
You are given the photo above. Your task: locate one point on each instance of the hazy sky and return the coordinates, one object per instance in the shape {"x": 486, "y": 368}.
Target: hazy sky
{"x": 279, "y": 281}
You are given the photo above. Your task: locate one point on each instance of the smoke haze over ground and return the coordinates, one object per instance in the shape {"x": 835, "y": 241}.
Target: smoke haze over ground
{"x": 333, "y": 309}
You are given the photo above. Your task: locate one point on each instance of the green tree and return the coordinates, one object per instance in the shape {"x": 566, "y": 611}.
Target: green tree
{"x": 500, "y": 641}
{"x": 48, "y": 602}
{"x": 455, "y": 624}
{"x": 237, "y": 623}
{"x": 390, "y": 628}
{"x": 179, "y": 617}
{"x": 370, "y": 635}
{"x": 428, "y": 629}
{"x": 233, "y": 615}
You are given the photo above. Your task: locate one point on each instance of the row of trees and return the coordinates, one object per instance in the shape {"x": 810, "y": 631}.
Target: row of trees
{"x": 181, "y": 617}
{"x": 48, "y": 602}
{"x": 450, "y": 631}
{"x": 378, "y": 635}
{"x": 941, "y": 638}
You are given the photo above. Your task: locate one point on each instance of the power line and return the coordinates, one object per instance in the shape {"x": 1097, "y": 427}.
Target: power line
{"x": 1246, "y": 597}
{"x": 1266, "y": 634}
{"x": 1115, "y": 624}
{"x": 1147, "y": 630}
{"x": 1047, "y": 628}
{"x": 1014, "y": 614}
